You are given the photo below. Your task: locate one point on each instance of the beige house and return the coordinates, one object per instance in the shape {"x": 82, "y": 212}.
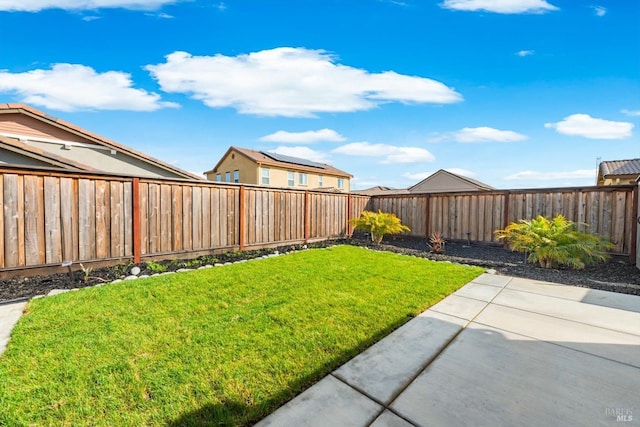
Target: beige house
{"x": 246, "y": 166}
{"x": 618, "y": 172}
{"x": 29, "y": 137}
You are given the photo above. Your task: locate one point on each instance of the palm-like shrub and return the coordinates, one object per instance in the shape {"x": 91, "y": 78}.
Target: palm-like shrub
{"x": 555, "y": 242}
{"x": 378, "y": 224}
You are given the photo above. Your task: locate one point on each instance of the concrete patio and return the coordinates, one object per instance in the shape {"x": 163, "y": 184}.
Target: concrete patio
{"x": 501, "y": 351}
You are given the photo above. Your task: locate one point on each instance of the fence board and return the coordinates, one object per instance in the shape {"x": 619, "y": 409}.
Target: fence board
{"x": 166, "y": 218}
{"x": 52, "y": 220}
{"x": 215, "y": 218}
{"x": 2, "y": 233}
{"x": 69, "y": 219}
{"x": 127, "y": 217}
{"x": 196, "y": 214}
{"x": 187, "y": 221}
{"x": 177, "y": 235}
{"x": 34, "y": 230}
{"x": 117, "y": 219}
{"x": 153, "y": 212}
{"x": 103, "y": 229}
{"x": 87, "y": 219}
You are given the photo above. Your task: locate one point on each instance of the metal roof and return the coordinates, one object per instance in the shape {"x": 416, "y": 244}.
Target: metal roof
{"x": 620, "y": 167}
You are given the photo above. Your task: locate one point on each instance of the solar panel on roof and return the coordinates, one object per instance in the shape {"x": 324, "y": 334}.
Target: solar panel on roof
{"x": 293, "y": 160}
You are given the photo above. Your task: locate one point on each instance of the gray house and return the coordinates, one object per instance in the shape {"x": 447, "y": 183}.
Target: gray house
{"x": 441, "y": 181}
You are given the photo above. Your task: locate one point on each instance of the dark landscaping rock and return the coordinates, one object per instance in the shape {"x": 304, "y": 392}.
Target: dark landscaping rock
{"x": 616, "y": 275}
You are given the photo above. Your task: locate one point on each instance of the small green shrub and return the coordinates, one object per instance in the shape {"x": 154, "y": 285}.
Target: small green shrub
{"x": 156, "y": 267}
{"x": 378, "y": 224}
{"x": 555, "y": 242}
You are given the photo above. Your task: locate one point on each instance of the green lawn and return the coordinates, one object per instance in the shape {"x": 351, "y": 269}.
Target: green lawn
{"x": 223, "y": 346}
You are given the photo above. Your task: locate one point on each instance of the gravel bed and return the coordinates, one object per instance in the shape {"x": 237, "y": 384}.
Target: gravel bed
{"x": 617, "y": 275}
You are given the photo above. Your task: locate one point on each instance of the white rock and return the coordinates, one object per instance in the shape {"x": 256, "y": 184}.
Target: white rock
{"x": 143, "y": 276}
{"x": 135, "y": 271}
{"x": 208, "y": 266}
{"x": 57, "y": 291}
{"x": 132, "y": 277}
{"x": 183, "y": 270}
{"x": 218, "y": 264}
{"x": 490, "y": 271}
{"x": 117, "y": 281}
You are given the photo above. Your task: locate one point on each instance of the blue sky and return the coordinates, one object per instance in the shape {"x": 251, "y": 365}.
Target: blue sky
{"x": 514, "y": 93}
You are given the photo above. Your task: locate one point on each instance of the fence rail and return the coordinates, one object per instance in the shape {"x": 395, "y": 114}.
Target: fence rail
{"x": 610, "y": 212}
{"x": 51, "y": 217}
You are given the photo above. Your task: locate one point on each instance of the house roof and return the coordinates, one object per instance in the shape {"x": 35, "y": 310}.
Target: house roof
{"x": 620, "y": 167}
{"x": 475, "y": 183}
{"x": 380, "y": 190}
{"x": 285, "y": 162}
{"x": 44, "y": 156}
{"x": 83, "y": 133}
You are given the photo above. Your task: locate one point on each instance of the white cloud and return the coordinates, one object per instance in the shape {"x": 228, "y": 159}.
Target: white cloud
{"x": 500, "y": 6}
{"x": 422, "y": 175}
{"x": 589, "y": 127}
{"x": 599, "y": 10}
{"x": 38, "y": 5}
{"x": 479, "y": 134}
{"x": 70, "y": 87}
{"x": 548, "y": 176}
{"x": 307, "y": 137}
{"x": 291, "y": 82}
{"x": 630, "y": 112}
{"x": 524, "y": 53}
{"x": 302, "y": 153}
{"x": 90, "y": 18}
{"x": 388, "y": 153}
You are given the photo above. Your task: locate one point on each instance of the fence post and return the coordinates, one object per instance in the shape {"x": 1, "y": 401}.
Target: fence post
{"x": 427, "y": 213}
{"x": 505, "y": 219}
{"x": 137, "y": 248}
{"x": 241, "y": 220}
{"x": 307, "y": 216}
{"x": 635, "y": 209}
{"x": 349, "y": 213}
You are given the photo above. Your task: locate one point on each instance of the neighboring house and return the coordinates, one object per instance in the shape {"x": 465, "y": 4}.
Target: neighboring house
{"x": 246, "y": 166}
{"x": 29, "y": 137}
{"x": 618, "y": 172}
{"x": 441, "y": 181}
{"x": 380, "y": 190}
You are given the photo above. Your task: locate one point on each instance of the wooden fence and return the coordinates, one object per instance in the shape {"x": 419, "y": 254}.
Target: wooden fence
{"x": 609, "y": 211}
{"x": 52, "y": 217}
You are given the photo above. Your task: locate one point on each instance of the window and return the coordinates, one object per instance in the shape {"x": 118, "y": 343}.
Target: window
{"x": 302, "y": 178}
{"x": 265, "y": 176}
{"x": 291, "y": 179}
{"x": 320, "y": 181}
{"x": 227, "y": 177}
{"x": 341, "y": 183}
{"x": 236, "y": 176}
{"x": 218, "y": 177}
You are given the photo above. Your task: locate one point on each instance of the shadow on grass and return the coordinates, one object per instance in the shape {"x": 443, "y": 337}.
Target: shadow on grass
{"x": 228, "y": 413}
{"x": 233, "y": 413}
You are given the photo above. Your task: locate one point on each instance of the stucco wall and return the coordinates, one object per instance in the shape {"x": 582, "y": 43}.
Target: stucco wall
{"x": 11, "y": 158}
{"x": 444, "y": 183}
